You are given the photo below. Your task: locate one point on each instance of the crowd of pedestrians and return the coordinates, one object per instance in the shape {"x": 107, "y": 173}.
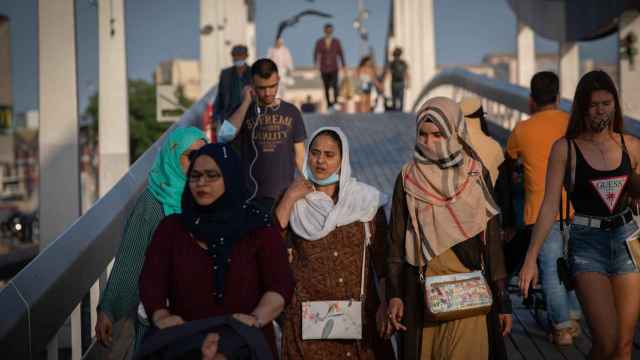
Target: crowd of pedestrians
{"x": 260, "y": 247}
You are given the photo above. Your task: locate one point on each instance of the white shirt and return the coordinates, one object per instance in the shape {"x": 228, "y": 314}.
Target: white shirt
{"x": 282, "y": 57}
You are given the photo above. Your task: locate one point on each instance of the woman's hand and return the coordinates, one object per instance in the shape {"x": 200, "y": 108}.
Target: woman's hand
{"x": 396, "y": 313}
{"x": 248, "y": 320}
{"x": 169, "y": 321}
{"x": 506, "y": 322}
{"x": 163, "y": 319}
{"x": 298, "y": 189}
{"x": 528, "y": 276}
{"x": 635, "y": 206}
{"x": 382, "y": 321}
{"x": 104, "y": 329}
{"x": 209, "y": 348}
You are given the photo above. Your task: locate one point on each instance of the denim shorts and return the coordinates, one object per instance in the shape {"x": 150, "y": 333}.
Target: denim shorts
{"x": 601, "y": 251}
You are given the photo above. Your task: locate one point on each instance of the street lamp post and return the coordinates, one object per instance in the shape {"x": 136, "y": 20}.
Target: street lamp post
{"x": 358, "y": 24}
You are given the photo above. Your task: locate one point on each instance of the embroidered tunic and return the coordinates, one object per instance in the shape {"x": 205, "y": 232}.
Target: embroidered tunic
{"x": 330, "y": 269}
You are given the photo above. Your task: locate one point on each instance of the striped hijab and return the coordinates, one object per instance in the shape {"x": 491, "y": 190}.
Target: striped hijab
{"x": 444, "y": 186}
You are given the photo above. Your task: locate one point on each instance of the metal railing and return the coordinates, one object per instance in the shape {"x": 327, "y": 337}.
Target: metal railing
{"x": 505, "y": 103}
{"x": 37, "y": 302}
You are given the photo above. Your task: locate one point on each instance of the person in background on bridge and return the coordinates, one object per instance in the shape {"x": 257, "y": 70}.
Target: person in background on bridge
{"x": 119, "y": 301}
{"x": 489, "y": 151}
{"x": 308, "y": 107}
{"x": 436, "y": 229}
{"x": 368, "y": 78}
{"x": 531, "y": 141}
{"x": 325, "y": 55}
{"x": 220, "y": 256}
{"x": 492, "y": 156}
{"x": 604, "y": 164}
{"x": 281, "y": 55}
{"x": 334, "y": 223}
{"x": 400, "y": 79}
{"x": 269, "y": 131}
{"x": 232, "y": 80}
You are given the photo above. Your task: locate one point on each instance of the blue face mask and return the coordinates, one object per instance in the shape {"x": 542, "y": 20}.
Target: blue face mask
{"x": 334, "y": 178}
{"x": 238, "y": 63}
{"x": 227, "y": 132}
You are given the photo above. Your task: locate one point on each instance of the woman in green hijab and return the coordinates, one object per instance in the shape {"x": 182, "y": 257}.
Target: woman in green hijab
{"x": 161, "y": 198}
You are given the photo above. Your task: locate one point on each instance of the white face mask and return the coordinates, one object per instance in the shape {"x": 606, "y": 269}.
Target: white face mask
{"x": 238, "y": 63}
{"x": 333, "y": 179}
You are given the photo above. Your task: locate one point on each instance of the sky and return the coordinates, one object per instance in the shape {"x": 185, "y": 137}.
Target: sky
{"x": 159, "y": 30}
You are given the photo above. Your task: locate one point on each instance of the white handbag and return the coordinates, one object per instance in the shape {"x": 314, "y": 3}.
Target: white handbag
{"x": 336, "y": 319}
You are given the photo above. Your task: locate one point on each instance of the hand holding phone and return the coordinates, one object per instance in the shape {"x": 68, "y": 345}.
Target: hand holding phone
{"x": 248, "y": 93}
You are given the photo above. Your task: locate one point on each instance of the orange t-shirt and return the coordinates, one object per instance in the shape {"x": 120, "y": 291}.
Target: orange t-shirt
{"x": 531, "y": 140}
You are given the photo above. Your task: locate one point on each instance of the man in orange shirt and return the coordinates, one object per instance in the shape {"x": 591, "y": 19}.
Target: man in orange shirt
{"x": 531, "y": 141}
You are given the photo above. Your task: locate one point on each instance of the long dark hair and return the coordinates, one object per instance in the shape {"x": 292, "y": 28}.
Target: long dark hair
{"x": 364, "y": 60}
{"x": 484, "y": 126}
{"x": 589, "y": 83}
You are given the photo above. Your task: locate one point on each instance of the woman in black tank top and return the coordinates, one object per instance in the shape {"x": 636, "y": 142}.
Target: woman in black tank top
{"x": 601, "y": 193}
{"x": 602, "y": 164}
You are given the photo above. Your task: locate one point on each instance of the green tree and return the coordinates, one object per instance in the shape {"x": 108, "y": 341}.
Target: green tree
{"x": 144, "y": 129}
{"x": 183, "y": 101}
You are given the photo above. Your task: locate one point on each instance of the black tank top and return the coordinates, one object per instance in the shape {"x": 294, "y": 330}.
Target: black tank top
{"x": 601, "y": 193}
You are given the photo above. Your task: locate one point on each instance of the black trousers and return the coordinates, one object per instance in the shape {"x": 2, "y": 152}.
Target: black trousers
{"x": 330, "y": 81}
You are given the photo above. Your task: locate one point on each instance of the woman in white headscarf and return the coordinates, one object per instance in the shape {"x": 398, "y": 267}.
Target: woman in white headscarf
{"x": 443, "y": 221}
{"x": 331, "y": 218}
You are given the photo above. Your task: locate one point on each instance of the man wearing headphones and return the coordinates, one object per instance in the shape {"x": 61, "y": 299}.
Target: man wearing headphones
{"x": 269, "y": 132}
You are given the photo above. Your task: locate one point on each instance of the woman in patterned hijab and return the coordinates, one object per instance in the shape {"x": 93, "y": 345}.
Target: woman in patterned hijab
{"x": 443, "y": 222}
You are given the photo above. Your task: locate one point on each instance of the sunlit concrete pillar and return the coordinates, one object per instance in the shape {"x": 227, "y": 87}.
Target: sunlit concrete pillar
{"x": 251, "y": 42}
{"x": 629, "y": 69}
{"x": 58, "y": 136}
{"x": 425, "y": 41}
{"x": 212, "y": 47}
{"x": 413, "y": 31}
{"x": 113, "y": 145}
{"x": 113, "y": 127}
{"x": 569, "y": 69}
{"x": 526, "y": 54}
{"x": 223, "y": 24}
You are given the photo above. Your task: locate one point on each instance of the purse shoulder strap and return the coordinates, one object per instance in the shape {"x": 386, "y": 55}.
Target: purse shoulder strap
{"x": 568, "y": 183}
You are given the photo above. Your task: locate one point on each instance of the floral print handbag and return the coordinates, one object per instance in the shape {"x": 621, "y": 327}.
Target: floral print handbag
{"x": 336, "y": 319}
{"x": 456, "y": 296}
